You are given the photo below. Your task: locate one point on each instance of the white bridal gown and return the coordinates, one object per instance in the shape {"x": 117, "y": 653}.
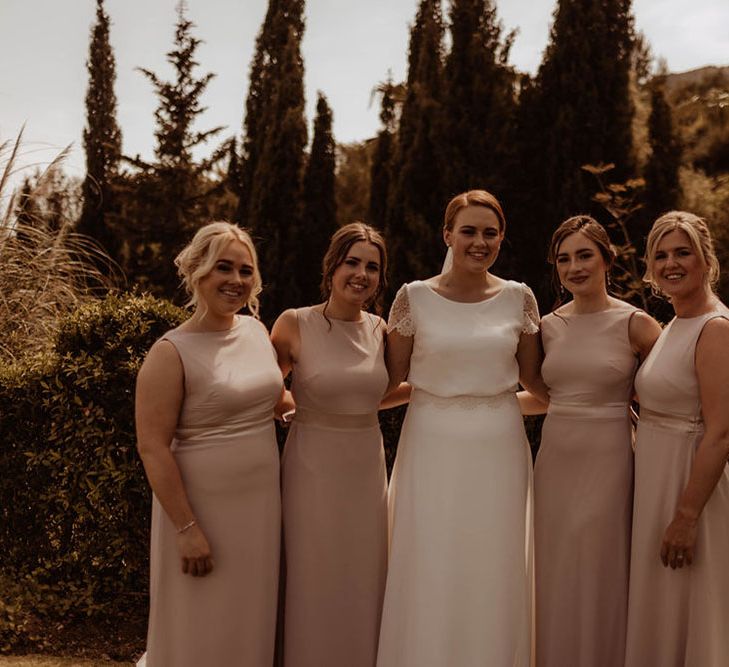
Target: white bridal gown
{"x": 459, "y": 584}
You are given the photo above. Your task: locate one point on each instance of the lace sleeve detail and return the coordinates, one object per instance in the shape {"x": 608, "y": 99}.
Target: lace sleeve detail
{"x": 401, "y": 319}
{"x": 531, "y": 312}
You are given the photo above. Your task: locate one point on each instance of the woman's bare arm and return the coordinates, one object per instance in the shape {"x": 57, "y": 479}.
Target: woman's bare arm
{"x": 159, "y": 395}
{"x": 712, "y": 370}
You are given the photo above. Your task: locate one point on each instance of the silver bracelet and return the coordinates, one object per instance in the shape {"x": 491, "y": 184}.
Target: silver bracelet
{"x": 186, "y": 526}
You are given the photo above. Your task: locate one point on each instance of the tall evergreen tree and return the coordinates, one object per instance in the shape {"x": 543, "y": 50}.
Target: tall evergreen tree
{"x": 273, "y": 152}
{"x": 172, "y": 190}
{"x": 102, "y": 140}
{"x": 480, "y": 100}
{"x": 417, "y": 197}
{"x": 320, "y": 210}
{"x": 380, "y": 173}
{"x": 579, "y": 111}
{"x": 661, "y": 172}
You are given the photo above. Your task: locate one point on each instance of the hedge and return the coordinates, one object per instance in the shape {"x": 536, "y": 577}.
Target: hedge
{"x": 74, "y": 503}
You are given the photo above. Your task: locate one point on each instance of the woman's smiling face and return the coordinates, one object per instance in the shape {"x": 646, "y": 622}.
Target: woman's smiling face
{"x": 475, "y": 238}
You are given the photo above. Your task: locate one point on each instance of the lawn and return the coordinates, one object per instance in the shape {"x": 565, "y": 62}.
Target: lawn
{"x": 46, "y": 661}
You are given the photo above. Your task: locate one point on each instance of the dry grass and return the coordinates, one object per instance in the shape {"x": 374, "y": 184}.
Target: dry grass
{"x": 44, "y": 272}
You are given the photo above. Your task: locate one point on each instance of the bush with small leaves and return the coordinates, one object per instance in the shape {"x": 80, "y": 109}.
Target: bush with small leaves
{"x": 74, "y": 501}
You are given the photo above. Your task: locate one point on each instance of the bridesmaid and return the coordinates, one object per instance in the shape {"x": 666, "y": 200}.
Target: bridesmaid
{"x": 204, "y": 414}
{"x": 679, "y": 578}
{"x": 583, "y": 478}
{"x": 333, "y": 480}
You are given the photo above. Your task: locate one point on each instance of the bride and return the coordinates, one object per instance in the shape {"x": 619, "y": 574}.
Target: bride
{"x": 459, "y": 584}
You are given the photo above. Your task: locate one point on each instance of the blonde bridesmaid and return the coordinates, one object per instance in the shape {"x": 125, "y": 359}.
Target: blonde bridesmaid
{"x": 679, "y": 576}
{"x": 204, "y": 412}
{"x": 333, "y": 477}
{"x": 583, "y": 478}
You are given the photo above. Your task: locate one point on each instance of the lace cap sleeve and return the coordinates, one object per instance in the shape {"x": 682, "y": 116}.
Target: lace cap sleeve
{"x": 401, "y": 319}
{"x": 531, "y": 312}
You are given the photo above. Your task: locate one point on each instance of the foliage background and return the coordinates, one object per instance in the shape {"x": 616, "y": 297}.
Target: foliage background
{"x": 80, "y": 258}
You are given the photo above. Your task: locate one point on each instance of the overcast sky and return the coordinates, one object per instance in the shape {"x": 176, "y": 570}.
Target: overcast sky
{"x": 348, "y": 47}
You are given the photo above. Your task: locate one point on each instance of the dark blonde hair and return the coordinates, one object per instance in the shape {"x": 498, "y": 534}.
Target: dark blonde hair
{"x": 197, "y": 259}
{"x": 592, "y": 229}
{"x": 699, "y": 235}
{"x": 473, "y": 198}
{"x": 339, "y": 246}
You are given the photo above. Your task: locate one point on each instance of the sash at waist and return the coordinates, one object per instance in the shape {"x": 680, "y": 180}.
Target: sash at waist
{"x": 211, "y": 434}
{"x": 587, "y": 411}
{"x": 672, "y": 421}
{"x": 462, "y": 401}
{"x": 332, "y": 420}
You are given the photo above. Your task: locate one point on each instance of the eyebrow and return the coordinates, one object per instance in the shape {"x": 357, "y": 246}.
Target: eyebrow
{"x": 678, "y": 247}
{"x": 230, "y": 262}
{"x": 565, "y": 254}
{"x": 359, "y": 259}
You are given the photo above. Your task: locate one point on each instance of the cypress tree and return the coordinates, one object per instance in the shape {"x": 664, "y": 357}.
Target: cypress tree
{"x": 661, "y": 172}
{"x": 320, "y": 211}
{"x": 273, "y": 152}
{"x": 102, "y": 140}
{"x": 417, "y": 197}
{"x": 480, "y": 101}
{"x": 380, "y": 173}
{"x": 172, "y": 190}
{"x": 577, "y": 111}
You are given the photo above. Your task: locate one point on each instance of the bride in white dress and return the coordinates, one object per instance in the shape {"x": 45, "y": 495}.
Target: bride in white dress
{"x": 459, "y": 584}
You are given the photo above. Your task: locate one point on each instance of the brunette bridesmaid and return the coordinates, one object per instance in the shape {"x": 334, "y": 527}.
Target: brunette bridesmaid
{"x": 333, "y": 478}
{"x": 204, "y": 412}
{"x": 679, "y": 575}
{"x": 583, "y": 476}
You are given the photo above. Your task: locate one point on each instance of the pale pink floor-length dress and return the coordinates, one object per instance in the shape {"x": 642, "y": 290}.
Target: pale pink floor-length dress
{"x": 334, "y": 488}
{"x": 226, "y": 451}
{"x": 676, "y": 618}
{"x": 459, "y": 581}
{"x": 583, "y": 490}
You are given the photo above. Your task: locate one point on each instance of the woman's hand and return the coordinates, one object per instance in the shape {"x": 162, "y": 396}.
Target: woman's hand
{"x": 194, "y": 550}
{"x": 285, "y": 407}
{"x": 679, "y": 542}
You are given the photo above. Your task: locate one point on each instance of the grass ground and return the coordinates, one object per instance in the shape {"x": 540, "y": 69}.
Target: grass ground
{"x": 46, "y": 661}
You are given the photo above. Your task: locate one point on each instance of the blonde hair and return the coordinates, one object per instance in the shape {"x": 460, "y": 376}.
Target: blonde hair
{"x": 473, "y": 198}
{"x": 197, "y": 259}
{"x": 699, "y": 235}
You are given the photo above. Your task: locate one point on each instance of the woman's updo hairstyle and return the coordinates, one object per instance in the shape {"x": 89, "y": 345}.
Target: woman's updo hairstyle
{"x": 339, "y": 246}
{"x": 699, "y": 235}
{"x": 197, "y": 259}
{"x": 593, "y": 230}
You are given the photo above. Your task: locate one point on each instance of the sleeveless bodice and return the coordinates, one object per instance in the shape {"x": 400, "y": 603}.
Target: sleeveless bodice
{"x": 588, "y": 357}
{"x": 667, "y": 382}
{"x": 464, "y": 349}
{"x": 341, "y": 365}
{"x": 232, "y": 382}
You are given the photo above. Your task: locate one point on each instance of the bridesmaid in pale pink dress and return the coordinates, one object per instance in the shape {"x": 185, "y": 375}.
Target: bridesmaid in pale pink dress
{"x": 583, "y": 478}
{"x": 204, "y": 414}
{"x": 333, "y": 468}
{"x": 679, "y": 570}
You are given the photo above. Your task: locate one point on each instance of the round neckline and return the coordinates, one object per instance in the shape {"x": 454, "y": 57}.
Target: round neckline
{"x": 362, "y": 319}
{"x": 696, "y": 317}
{"x": 619, "y": 308}
{"x": 236, "y": 324}
{"x": 467, "y": 303}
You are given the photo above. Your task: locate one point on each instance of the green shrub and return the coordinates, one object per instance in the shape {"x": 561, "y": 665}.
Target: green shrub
{"x": 74, "y": 502}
